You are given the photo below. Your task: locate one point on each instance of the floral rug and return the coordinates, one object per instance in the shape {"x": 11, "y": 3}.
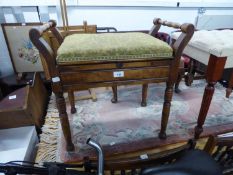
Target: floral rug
{"x": 126, "y": 126}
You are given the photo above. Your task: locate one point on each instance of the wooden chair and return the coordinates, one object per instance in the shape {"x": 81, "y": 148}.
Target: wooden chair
{"x": 221, "y": 149}
{"x": 135, "y": 164}
{"x": 85, "y": 28}
{"x": 216, "y": 158}
{"x": 74, "y": 73}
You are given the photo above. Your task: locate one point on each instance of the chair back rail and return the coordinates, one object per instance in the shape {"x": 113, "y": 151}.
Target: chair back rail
{"x": 221, "y": 149}
{"x": 56, "y": 32}
{"x": 134, "y": 165}
{"x": 45, "y": 27}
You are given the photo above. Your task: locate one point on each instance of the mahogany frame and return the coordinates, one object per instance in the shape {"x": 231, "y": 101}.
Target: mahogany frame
{"x": 71, "y": 77}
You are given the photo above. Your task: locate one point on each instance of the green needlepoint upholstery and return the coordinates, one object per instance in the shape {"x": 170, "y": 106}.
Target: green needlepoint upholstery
{"x": 78, "y": 48}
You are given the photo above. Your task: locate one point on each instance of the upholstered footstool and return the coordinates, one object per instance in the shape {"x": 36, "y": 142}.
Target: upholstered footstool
{"x": 214, "y": 49}
{"x": 205, "y": 43}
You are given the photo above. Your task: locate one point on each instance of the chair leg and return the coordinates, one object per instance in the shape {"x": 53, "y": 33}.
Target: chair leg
{"x": 144, "y": 95}
{"x": 230, "y": 86}
{"x": 214, "y": 72}
{"x": 61, "y": 105}
{"x": 180, "y": 75}
{"x": 114, "y": 90}
{"x": 190, "y": 76}
{"x": 166, "y": 109}
{"x": 93, "y": 95}
{"x": 72, "y": 102}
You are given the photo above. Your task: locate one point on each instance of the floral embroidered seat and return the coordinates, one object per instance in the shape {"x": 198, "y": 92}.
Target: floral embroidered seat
{"x": 111, "y": 47}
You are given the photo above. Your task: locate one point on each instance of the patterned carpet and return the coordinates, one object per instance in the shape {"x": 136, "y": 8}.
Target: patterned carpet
{"x": 126, "y": 126}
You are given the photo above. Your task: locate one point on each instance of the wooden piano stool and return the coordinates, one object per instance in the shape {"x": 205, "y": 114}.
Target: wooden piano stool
{"x": 98, "y": 60}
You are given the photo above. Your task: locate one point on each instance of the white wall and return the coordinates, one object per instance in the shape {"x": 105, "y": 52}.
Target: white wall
{"x": 128, "y": 18}
{"x": 135, "y": 18}
{"x": 122, "y": 18}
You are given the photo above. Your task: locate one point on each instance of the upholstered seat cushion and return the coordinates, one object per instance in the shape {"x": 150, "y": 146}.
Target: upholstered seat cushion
{"x": 215, "y": 42}
{"x": 111, "y": 46}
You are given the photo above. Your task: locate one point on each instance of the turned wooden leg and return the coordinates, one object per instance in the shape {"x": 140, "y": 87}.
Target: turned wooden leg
{"x": 180, "y": 75}
{"x": 114, "y": 90}
{"x": 191, "y": 73}
{"x": 72, "y": 102}
{"x": 206, "y": 100}
{"x": 214, "y": 72}
{"x": 166, "y": 110}
{"x": 93, "y": 95}
{"x": 230, "y": 86}
{"x": 144, "y": 95}
{"x": 61, "y": 105}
